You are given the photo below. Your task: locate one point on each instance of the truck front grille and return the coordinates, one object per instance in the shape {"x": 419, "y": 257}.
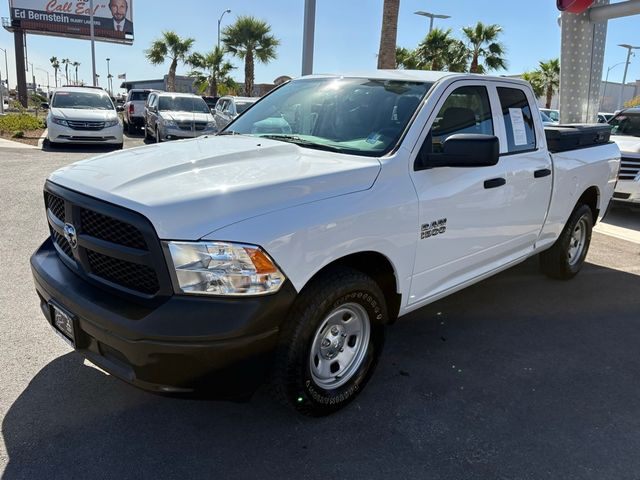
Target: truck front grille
{"x": 198, "y": 126}
{"x": 629, "y": 168}
{"x": 115, "y": 246}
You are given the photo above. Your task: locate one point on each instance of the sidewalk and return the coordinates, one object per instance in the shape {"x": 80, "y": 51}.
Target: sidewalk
{"x": 4, "y": 143}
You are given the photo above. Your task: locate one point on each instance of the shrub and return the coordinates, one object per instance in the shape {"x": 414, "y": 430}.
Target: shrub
{"x": 18, "y": 134}
{"x": 634, "y": 102}
{"x": 20, "y": 122}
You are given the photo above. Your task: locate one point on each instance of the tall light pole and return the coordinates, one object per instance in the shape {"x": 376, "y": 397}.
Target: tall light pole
{"x": 606, "y": 82}
{"x": 6, "y": 67}
{"x": 47, "y": 72}
{"x": 109, "y": 78}
{"x": 94, "y": 77}
{"x": 431, "y": 17}
{"x": 308, "y": 36}
{"x": 33, "y": 76}
{"x": 626, "y": 67}
{"x": 220, "y": 21}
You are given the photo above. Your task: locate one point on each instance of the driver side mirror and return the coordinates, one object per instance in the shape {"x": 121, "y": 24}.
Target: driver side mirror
{"x": 460, "y": 150}
{"x": 44, "y": 105}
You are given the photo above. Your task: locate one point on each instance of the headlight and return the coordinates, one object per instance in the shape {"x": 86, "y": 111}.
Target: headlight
{"x": 111, "y": 123}
{"x": 221, "y": 268}
{"x": 59, "y": 121}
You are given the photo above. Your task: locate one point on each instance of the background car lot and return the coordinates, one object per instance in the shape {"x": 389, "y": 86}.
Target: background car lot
{"x": 516, "y": 377}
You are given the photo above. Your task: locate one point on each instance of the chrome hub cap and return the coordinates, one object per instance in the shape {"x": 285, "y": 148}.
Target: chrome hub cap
{"x": 577, "y": 242}
{"x": 339, "y": 346}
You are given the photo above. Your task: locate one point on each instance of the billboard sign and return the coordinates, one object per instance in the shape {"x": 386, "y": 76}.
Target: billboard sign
{"x": 112, "y": 19}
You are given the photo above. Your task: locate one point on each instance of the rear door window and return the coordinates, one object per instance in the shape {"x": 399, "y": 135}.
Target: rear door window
{"x": 518, "y": 120}
{"x": 139, "y": 96}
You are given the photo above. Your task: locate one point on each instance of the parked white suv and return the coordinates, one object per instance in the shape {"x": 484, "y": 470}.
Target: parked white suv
{"x": 229, "y": 107}
{"x": 625, "y": 131}
{"x": 172, "y": 116}
{"x": 83, "y": 115}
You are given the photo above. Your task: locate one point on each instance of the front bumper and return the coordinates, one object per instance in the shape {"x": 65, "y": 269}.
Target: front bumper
{"x": 627, "y": 191}
{"x": 179, "y": 345}
{"x": 61, "y": 134}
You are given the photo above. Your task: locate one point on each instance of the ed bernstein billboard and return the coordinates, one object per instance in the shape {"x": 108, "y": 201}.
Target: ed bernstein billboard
{"x": 112, "y": 19}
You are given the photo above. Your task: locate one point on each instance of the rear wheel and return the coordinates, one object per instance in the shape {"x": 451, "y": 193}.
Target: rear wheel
{"x": 566, "y": 257}
{"x": 330, "y": 343}
{"x": 158, "y": 139}
{"x": 147, "y": 137}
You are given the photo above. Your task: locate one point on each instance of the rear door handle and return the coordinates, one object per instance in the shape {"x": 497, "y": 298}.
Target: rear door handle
{"x": 494, "y": 183}
{"x": 545, "y": 172}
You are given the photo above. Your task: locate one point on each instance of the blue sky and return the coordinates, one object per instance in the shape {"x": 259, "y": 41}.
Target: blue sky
{"x": 347, "y": 35}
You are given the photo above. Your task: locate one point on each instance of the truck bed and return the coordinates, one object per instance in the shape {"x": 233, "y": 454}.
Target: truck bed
{"x": 563, "y": 138}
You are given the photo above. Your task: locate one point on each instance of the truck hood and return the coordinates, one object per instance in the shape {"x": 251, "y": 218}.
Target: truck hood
{"x": 193, "y": 187}
{"x": 627, "y": 143}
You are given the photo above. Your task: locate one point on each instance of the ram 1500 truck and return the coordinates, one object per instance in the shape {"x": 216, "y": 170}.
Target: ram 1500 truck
{"x": 625, "y": 132}
{"x": 282, "y": 247}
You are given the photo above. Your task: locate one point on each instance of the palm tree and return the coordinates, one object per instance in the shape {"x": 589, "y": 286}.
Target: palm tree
{"x": 482, "y": 43}
{"x": 169, "y": 46}
{"x": 76, "y": 65}
{"x": 440, "y": 51}
{"x": 406, "y": 59}
{"x": 536, "y": 82}
{"x": 56, "y": 66}
{"x": 549, "y": 73}
{"x": 388, "y": 34}
{"x": 250, "y": 39}
{"x": 66, "y": 63}
{"x": 214, "y": 71}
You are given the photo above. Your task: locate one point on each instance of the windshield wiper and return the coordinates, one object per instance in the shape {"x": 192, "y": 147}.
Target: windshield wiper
{"x": 302, "y": 142}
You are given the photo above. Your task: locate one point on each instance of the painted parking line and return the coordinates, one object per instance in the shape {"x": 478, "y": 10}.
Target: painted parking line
{"x": 618, "y": 232}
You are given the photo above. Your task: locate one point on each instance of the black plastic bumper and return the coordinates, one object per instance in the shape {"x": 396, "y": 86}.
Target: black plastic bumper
{"x": 185, "y": 343}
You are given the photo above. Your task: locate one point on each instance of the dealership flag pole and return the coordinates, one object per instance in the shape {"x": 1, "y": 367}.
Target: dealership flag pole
{"x": 93, "y": 44}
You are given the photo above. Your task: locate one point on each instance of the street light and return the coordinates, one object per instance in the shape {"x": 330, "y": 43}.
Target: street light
{"x": 33, "y": 76}
{"x": 606, "y": 80}
{"x": 219, "y": 21}
{"x": 47, "y": 72}
{"x": 109, "y": 78}
{"x": 626, "y": 67}
{"x": 6, "y": 67}
{"x": 431, "y": 17}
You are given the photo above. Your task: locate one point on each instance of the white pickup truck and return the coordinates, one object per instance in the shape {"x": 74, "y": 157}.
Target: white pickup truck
{"x": 282, "y": 248}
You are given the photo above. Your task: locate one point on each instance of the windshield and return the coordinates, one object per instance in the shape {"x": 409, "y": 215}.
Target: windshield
{"x": 350, "y": 115}
{"x": 183, "y": 104}
{"x": 626, "y": 124}
{"x": 82, "y": 100}
{"x": 139, "y": 96}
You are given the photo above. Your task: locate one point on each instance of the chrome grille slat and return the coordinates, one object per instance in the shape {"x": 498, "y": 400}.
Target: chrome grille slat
{"x": 629, "y": 168}
{"x": 82, "y": 125}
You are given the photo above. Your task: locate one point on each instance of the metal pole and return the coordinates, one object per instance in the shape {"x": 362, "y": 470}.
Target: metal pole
{"x": 2, "y": 94}
{"x": 109, "y": 78}
{"x": 21, "y": 75}
{"x": 219, "y": 22}
{"x": 603, "y": 13}
{"x": 430, "y": 24}
{"x": 624, "y": 77}
{"x": 308, "y": 36}
{"x": 6, "y": 67}
{"x": 93, "y": 44}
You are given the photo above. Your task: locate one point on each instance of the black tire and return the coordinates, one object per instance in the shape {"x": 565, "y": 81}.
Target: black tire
{"x": 292, "y": 381}
{"x": 557, "y": 262}
{"x": 147, "y": 137}
{"x": 119, "y": 146}
{"x": 49, "y": 144}
{"x": 158, "y": 139}
{"x": 130, "y": 128}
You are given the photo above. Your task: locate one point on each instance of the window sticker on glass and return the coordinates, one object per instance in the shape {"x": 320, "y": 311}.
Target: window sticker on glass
{"x": 517, "y": 122}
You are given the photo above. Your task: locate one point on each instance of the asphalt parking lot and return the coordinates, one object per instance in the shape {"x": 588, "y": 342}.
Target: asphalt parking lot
{"x": 518, "y": 377}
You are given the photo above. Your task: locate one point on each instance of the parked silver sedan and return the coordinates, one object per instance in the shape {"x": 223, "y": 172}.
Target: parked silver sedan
{"x": 229, "y": 107}
{"x": 171, "y": 116}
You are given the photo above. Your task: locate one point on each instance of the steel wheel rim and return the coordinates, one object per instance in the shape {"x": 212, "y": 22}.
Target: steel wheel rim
{"x": 339, "y": 346}
{"x": 577, "y": 242}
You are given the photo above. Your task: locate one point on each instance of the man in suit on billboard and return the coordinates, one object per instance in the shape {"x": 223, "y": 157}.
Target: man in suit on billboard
{"x": 119, "y": 10}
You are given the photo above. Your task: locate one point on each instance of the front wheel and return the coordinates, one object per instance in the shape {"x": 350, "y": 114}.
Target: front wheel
{"x": 566, "y": 257}
{"x": 330, "y": 342}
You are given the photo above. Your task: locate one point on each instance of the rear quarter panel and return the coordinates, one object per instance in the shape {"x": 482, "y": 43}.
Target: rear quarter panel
{"x": 573, "y": 173}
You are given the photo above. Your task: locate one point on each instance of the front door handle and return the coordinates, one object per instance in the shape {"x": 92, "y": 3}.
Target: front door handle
{"x": 494, "y": 182}
{"x": 545, "y": 172}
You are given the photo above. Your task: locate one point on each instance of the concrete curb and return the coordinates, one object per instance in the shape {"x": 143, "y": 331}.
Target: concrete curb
{"x": 42, "y": 138}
